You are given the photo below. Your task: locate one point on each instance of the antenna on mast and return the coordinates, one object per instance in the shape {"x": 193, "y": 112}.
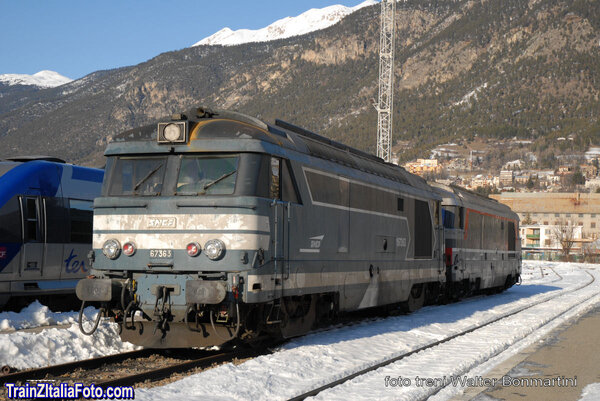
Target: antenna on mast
{"x": 386, "y": 80}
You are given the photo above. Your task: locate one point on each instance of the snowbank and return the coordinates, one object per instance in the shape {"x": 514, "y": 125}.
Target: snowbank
{"x": 36, "y": 315}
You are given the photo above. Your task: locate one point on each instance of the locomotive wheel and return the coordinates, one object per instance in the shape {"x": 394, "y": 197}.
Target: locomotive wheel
{"x": 300, "y": 316}
{"x": 508, "y": 283}
{"x": 416, "y": 299}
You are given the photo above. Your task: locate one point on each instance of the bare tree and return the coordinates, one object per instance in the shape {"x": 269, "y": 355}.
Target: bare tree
{"x": 591, "y": 251}
{"x": 564, "y": 234}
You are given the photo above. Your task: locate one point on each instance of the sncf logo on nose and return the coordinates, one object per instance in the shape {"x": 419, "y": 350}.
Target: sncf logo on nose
{"x": 3, "y": 252}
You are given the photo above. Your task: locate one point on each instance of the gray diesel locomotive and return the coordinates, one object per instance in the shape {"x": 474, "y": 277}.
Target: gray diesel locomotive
{"x": 214, "y": 226}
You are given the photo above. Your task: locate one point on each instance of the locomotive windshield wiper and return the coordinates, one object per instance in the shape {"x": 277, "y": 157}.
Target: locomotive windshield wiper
{"x": 135, "y": 188}
{"x": 221, "y": 178}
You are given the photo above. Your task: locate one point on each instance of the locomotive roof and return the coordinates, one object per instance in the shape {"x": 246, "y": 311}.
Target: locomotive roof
{"x": 226, "y": 131}
{"x": 456, "y": 196}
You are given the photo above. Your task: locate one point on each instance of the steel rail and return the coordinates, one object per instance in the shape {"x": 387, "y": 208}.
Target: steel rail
{"x": 63, "y": 370}
{"x": 162, "y": 373}
{"x": 57, "y": 370}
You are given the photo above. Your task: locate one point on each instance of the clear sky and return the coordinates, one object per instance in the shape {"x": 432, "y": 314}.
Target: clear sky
{"x": 77, "y": 37}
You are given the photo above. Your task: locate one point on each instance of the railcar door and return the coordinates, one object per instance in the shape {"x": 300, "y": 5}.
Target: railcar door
{"x": 33, "y": 228}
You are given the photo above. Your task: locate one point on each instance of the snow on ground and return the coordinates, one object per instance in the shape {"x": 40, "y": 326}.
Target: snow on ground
{"x": 314, "y": 360}
{"x": 591, "y": 392}
{"x": 51, "y": 346}
{"x": 23, "y": 350}
{"x": 36, "y": 315}
{"x": 471, "y": 95}
{"x": 463, "y": 357}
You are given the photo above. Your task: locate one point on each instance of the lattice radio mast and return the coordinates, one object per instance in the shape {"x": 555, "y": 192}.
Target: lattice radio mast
{"x": 386, "y": 80}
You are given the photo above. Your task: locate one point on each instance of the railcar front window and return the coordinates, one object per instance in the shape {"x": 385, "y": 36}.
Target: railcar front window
{"x": 207, "y": 175}
{"x": 137, "y": 176}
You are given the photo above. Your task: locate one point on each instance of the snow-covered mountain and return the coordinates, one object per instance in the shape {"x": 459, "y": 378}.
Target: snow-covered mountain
{"x": 42, "y": 79}
{"x": 309, "y": 21}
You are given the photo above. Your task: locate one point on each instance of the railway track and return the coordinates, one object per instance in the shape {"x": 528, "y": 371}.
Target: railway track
{"x": 130, "y": 368}
{"x": 446, "y": 340}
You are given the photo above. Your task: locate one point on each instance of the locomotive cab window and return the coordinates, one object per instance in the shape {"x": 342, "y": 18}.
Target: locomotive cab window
{"x": 207, "y": 175}
{"x": 281, "y": 184}
{"x": 275, "y": 182}
{"x": 136, "y": 176}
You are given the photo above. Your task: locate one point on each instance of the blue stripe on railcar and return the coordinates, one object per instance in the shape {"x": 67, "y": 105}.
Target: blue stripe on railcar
{"x": 87, "y": 174}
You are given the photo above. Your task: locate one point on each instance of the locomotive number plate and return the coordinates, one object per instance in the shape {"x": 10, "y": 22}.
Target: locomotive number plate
{"x": 161, "y": 253}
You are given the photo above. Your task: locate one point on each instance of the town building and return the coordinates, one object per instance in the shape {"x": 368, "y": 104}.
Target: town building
{"x": 506, "y": 178}
{"x": 424, "y": 166}
{"x": 593, "y": 153}
{"x": 593, "y": 184}
{"x": 543, "y": 240}
{"x": 565, "y": 170}
{"x": 555, "y": 209}
{"x": 589, "y": 170}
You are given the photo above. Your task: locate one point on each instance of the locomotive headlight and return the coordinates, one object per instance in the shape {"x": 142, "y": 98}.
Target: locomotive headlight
{"x": 214, "y": 249}
{"x": 111, "y": 249}
{"x": 172, "y": 132}
{"x": 193, "y": 249}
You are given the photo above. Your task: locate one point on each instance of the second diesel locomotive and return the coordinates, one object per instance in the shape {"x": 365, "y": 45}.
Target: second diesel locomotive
{"x": 215, "y": 225}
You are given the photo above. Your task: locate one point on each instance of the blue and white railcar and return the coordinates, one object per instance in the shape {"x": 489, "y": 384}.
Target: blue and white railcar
{"x": 45, "y": 225}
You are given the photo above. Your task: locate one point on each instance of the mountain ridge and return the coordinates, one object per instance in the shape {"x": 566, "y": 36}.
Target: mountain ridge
{"x": 464, "y": 69}
{"x": 41, "y": 79}
{"x": 309, "y": 21}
